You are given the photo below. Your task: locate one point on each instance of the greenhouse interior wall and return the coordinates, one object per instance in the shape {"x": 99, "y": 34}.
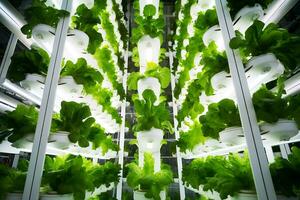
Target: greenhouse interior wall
{"x": 150, "y": 99}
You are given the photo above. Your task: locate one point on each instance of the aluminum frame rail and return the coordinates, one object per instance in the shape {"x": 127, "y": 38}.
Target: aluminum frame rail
{"x": 177, "y": 136}
{"x": 13, "y": 20}
{"x": 36, "y": 165}
{"x": 123, "y": 114}
{"x": 258, "y": 159}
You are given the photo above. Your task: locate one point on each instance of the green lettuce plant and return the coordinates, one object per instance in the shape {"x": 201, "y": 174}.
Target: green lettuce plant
{"x": 211, "y": 59}
{"x": 234, "y": 176}
{"x": 146, "y": 180}
{"x": 111, "y": 37}
{"x": 260, "y": 39}
{"x": 86, "y": 20}
{"x": 22, "y": 121}
{"x": 100, "y": 139}
{"x": 83, "y": 74}
{"x": 40, "y": 13}
{"x": 109, "y": 29}
{"x": 191, "y": 107}
{"x": 105, "y": 174}
{"x": 121, "y": 25}
{"x": 67, "y": 175}
{"x": 218, "y": 117}
{"x": 149, "y": 115}
{"x": 199, "y": 171}
{"x": 12, "y": 179}
{"x": 286, "y": 173}
{"x": 191, "y": 138}
{"x": 183, "y": 27}
{"x": 163, "y": 74}
{"x": 147, "y": 25}
{"x": 91, "y": 79}
{"x": 76, "y": 119}
{"x": 227, "y": 176}
{"x": 104, "y": 58}
{"x": 75, "y": 175}
{"x": 89, "y": 20}
{"x": 269, "y": 106}
{"x": 33, "y": 61}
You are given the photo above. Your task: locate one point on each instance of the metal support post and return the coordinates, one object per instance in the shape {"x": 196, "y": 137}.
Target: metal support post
{"x": 122, "y": 134}
{"x": 258, "y": 159}
{"x": 175, "y": 112}
{"x": 285, "y": 150}
{"x": 33, "y": 180}
{"x": 13, "y": 20}
{"x": 9, "y": 52}
{"x": 123, "y": 114}
{"x": 16, "y": 161}
{"x": 270, "y": 154}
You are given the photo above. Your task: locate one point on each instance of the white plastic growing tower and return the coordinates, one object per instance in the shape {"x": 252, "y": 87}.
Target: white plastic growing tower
{"x": 149, "y": 141}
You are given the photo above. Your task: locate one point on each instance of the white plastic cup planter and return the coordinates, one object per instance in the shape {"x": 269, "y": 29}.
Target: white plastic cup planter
{"x": 76, "y": 42}
{"x": 139, "y": 195}
{"x": 232, "y": 136}
{"x": 259, "y": 70}
{"x": 59, "y": 140}
{"x": 67, "y": 87}
{"x": 222, "y": 82}
{"x": 282, "y": 130}
{"x": 44, "y": 36}
{"x": 212, "y": 144}
{"x": 150, "y": 141}
{"x": 56, "y": 197}
{"x": 149, "y": 51}
{"x": 264, "y": 68}
{"x": 57, "y": 4}
{"x": 34, "y": 83}
{"x": 245, "y": 17}
{"x": 214, "y": 34}
{"x": 143, "y": 3}
{"x": 149, "y": 83}
{"x": 202, "y": 5}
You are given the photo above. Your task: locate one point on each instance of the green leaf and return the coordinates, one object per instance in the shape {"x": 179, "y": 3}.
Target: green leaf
{"x": 149, "y": 96}
{"x": 236, "y": 42}
{"x": 190, "y": 139}
{"x": 146, "y": 180}
{"x": 149, "y": 10}
{"x": 22, "y": 121}
{"x": 133, "y": 79}
{"x": 33, "y": 61}
{"x": 219, "y": 116}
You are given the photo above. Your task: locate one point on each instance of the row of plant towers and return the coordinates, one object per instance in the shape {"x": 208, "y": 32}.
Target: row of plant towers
{"x": 149, "y": 138}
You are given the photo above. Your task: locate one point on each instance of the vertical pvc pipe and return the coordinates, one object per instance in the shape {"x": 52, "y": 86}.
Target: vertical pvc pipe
{"x": 9, "y": 52}
{"x": 175, "y": 112}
